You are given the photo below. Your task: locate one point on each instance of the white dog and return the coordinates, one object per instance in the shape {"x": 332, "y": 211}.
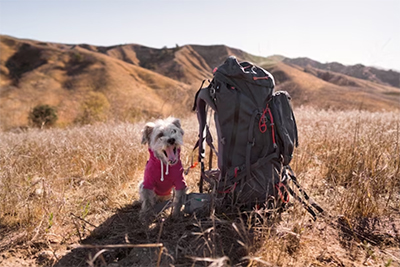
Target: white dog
{"x": 164, "y": 170}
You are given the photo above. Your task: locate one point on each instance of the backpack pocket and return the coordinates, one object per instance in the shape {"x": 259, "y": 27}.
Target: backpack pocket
{"x": 285, "y": 125}
{"x": 239, "y": 189}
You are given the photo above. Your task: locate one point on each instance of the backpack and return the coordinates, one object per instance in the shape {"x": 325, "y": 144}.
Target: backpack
{"x": 257, "y": 134}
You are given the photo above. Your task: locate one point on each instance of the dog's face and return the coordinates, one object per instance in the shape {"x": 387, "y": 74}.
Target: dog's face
{"x": 164, "y": 138}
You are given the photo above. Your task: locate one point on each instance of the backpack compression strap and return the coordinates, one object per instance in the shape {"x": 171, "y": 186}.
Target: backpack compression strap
{"x": 308, "y": 202}
{"x": 202, "y": 100}
{"x": 197, "y": 95}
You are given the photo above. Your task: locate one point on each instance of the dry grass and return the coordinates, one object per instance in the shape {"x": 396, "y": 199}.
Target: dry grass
{"x": 57, "y": 172}
{"x": 60, "y": 187}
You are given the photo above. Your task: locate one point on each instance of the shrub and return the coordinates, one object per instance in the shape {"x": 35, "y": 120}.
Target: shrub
{"x": 93, "y": 109}
{"x": 43, "y": 116}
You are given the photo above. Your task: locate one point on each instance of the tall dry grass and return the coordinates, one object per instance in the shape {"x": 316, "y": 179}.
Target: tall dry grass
{"x": 348, "y": 161}
{"x": 354, "y": 156}
{"x": 47, "y": 175}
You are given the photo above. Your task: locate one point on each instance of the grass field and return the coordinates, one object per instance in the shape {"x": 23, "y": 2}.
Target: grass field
{"x": 63, "y": 187}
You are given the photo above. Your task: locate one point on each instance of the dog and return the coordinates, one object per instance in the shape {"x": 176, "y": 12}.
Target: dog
{"x": 164, "y": 171}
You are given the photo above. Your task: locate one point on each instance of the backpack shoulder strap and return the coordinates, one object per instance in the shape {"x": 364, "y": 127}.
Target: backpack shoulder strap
{"x": 197, "y": 94}
{"x": 203, "y": 98}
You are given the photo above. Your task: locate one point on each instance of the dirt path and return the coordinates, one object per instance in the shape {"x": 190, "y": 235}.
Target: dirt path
{"x": 190, "y": 240}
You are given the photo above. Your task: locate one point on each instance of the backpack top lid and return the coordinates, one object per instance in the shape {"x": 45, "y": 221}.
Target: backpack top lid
{"x": 245, "y": 71}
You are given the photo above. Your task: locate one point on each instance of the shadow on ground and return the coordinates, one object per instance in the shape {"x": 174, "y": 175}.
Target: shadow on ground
{"x": 185, "y": 241}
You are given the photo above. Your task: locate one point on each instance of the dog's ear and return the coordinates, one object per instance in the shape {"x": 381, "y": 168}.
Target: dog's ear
{"x": 146, "y": 132}
{"x": 177, "y": 123}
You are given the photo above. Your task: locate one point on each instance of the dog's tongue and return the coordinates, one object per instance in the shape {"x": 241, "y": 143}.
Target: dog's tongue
{"x": 172, "y": 157}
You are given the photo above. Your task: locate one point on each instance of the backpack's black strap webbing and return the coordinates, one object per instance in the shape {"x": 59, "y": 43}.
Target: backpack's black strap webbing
{"x": 265, "y": 160}
{"x": 197, "y": 94}
{"x": 250, "y": 143}
{"x": 203, "y": 99}
{"x": 234, "y": 130}
{"x": 261, "y": 161}
{"x": 295, "y": 129}
{"x": 200, "y": 105}
{"x": 292, "y": 177}
{"x": 310, "y": 200}
{"x": 305, "y": 205}
{"x": 210, "y": 141}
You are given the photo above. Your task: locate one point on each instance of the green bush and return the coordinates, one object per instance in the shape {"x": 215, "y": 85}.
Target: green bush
{"x": 93, "y": 109}
{"x": 43, "y": 116}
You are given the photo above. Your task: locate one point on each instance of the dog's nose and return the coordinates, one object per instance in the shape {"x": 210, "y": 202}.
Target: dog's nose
{"x": 171, "y": 141}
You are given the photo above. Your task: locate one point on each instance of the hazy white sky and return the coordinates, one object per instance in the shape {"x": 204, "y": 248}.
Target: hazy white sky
{"x": 349, "y": 32}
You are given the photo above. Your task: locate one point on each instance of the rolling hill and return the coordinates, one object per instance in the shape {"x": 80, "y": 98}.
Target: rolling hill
{"x": 34, "y": 73}
{"x": 388, "y": 77}
{"x": 332, "y": 90}
{"x": 131, "y": 81}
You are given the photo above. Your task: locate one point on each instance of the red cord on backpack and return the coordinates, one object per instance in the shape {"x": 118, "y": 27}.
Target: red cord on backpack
{"x": 280, "y": 185}
{"x": 262, "y": 124}
{"x": 272, "y": 125}
{"x": 194, "y": 165}
{"x": 229, "y": 190}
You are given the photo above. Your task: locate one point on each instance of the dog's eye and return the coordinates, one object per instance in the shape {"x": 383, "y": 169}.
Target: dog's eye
{"x": 173, "y": 131}
{"x": 160, "y": 135}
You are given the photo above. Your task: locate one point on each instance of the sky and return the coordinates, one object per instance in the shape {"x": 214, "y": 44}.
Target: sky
{"x": 346, "y": 31}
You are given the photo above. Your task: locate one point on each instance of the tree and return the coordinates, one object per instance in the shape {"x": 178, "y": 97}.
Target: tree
{"x": 43, "y": 116}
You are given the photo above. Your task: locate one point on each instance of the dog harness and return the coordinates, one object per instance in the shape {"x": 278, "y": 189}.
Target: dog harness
{"x": 162, "y": 183}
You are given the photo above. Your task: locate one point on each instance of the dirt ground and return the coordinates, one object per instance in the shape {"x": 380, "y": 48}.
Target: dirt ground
{"x": 192, "y": 241}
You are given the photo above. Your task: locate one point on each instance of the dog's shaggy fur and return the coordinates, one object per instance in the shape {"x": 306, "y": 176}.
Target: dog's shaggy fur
{"x": 164, "y": 170}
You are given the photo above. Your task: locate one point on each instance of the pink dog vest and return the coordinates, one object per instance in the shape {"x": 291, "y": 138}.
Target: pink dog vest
{"x": 162, "y": 178}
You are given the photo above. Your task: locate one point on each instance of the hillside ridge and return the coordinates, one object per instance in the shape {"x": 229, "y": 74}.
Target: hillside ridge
{"x": 138, "y": 82}
{"x": 387, "y": 77}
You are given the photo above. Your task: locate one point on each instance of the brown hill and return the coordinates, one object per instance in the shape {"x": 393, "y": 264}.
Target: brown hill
{"x": 332, "y": 90}
{"x": 189, "y": 64}
{"x": 192, "y": 63}
{"x": 63, "y": 76}
{"x": 87, "y": 83}
{"x": 387, "y": 77}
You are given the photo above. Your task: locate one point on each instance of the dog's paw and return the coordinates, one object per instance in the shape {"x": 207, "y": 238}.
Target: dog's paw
{"x": 177, "y": 202}
{"x": 146, "y": 217}
{"x": 176, "y": 211}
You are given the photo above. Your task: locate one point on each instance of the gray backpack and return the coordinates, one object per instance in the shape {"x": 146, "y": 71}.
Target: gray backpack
{"x": 257, "y": 134}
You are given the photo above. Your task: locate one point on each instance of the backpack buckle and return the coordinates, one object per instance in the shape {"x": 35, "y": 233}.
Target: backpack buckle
{"x": 253, "y": 142}
{"x": 213, "y": 89}
{"x": 212, "y": 92}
